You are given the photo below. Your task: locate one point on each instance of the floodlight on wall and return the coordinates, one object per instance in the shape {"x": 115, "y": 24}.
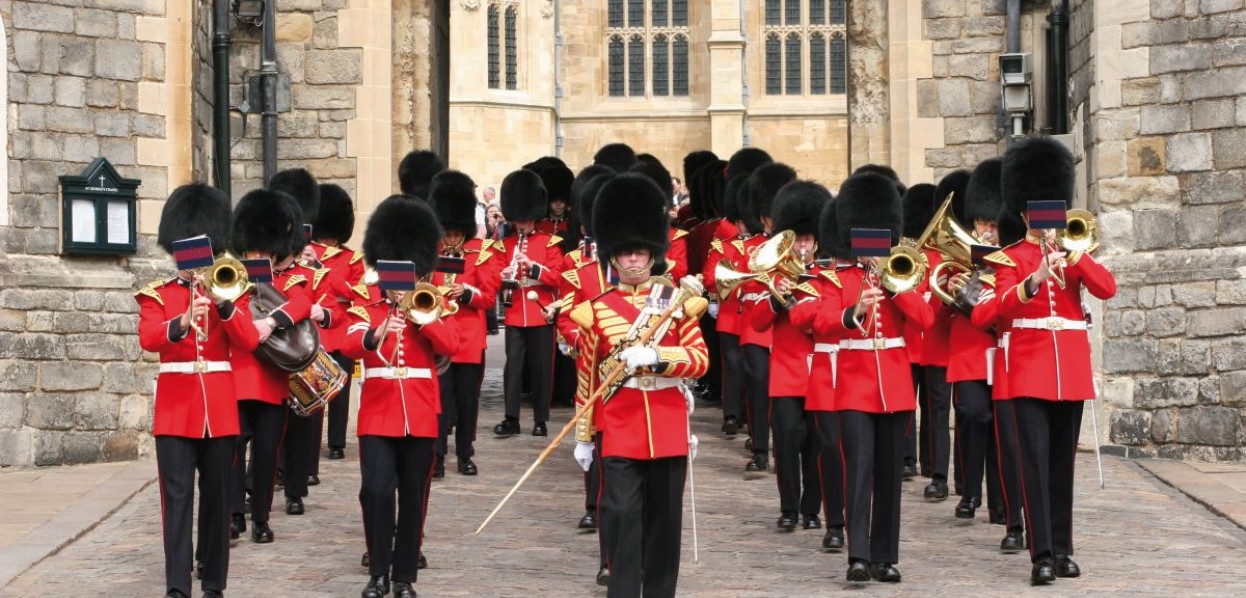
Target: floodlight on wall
{"x": 249, "y": 9}
{"x": 1018, "y": 98}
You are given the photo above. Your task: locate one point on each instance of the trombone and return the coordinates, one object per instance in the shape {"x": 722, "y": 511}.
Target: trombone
{"x": 224, "y": 280}
{"x": 424, "y": 305}
{"x": 902, "y": 272}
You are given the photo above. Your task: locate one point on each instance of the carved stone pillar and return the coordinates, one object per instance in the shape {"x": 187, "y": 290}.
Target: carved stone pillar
{"x": 869, "y": 111}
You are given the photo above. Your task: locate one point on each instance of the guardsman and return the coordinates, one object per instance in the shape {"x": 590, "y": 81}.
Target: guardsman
{"x": 1044, "y": 359}
{"x": 557, "y": 179}
{"x": 644, "y": 424}
{"x": 796, "y": 454}
{"x": 693, "y": 212}
{"x": 709, "y": 188}
{"x": 474, "y": 291}
{"x": 531, "y": 267}
{"x": 918, "y": 203}
{"x": 196, "y": 413}
{"x": 677, "y": 255}
{"x": 416, "y": 172}
{"x": 399, "y": 400}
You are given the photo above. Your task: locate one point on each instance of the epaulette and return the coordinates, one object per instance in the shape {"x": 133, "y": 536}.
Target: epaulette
{"x": 717, "y": 245}
{"x": 295, "y": 279}
{"x": 679, "y": 234}
{"x": 582, "y": 314}
{"x": 358, "y": 310}
{"x": 330, "y": 252}
{"x": 987, "y": 279}
{"x": 553, "y": 240}
{"x": 739, "y": 245}
{"x": 484, "y": 256}
{"x": 808, "y": 289}
{"x": 358, "y": 256}
{"x": 572, "y": 277}
{"x": 319, "y": 276}
{"x": 831, "y": 276}
{"x": 361, "y": 290}
{"x": 1001, "y": 258}
{"x": 150, "y": 290}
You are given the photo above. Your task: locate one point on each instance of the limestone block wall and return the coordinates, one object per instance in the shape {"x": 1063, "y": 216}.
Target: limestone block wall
{"x": 816, "y": 146}
{"x": 670, "y": 139}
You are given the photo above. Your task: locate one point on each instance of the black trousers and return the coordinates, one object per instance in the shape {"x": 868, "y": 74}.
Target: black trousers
{"x": 263, "y": 428}
{"x": 460, "y": 403}
{"x": 974, "y": 431}
{"x": 757, "y": 377}
{"x": 564, "y": 380}
{"x": 1009, "y": 459}
{"x": 732, "y": 377}
{"x": 388, "y": 464}
{"x": 300, "y": 453}
{"x": 713, "y": 376}
{"x": 910, "y": 433}
{"x": 795, "y": 455}
{"x": 938, "y": 442}
{"x": 1047, "y": 432}
{"x": 177, "y": 460}
{"x": 530, "y": 349}
{"x": 593, "y": 483}
{"x": 644, "y": 507}
{"x": 339, "y": 409}
{"x": 873, "y": 459}
{"x": 830, "y": 466}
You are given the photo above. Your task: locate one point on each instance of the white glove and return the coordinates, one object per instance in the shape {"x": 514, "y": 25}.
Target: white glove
{"x": 692, "y": 447}
{"x": 639, "y": 357}
{"x": 692, "y": 284}
{"x": 584, "y": 454}
{"x": 690, "y": 400}
{"x": 564, "y": 348}
{"x": 713, "y": 309}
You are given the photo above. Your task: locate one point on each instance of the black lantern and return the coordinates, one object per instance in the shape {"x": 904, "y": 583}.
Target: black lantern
{"x": 98, "y": 211}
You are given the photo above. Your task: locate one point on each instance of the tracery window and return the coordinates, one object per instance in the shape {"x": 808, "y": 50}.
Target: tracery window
{"x": 502, "y": 42}
{"x": 647, "y": 48}
{"x": 800, "y": 32}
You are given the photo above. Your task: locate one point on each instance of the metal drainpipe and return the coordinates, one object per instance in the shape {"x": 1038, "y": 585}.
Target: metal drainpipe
{"x": 745, "y": 138}
{"x": 268, "y": 85}
{"x": 558, "y": 44}
{"x": 1058, "y": 83}
{"x": 1013, "y": 27}
{"x": 220, "y": 95}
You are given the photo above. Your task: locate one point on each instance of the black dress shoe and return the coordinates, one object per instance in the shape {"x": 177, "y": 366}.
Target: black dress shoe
{"x": 466, "y": 467}
{"x": 1065, "y": 567}
{"x": 422, "y": 563}
{"x": 175, "y": 594}
{"x": 294, "y": 506}
{"x": 1043, "y": 573}
{"x": 199, "y": 565}
{"x": 603, "y": 577}
{"x": 787, "y": 522}
{"x": 377, "y": 586}
{"x": 538, "y": 429}
{"x": 261, "y": 533}
{"x": 508, "y": 427}
{"x": 213, "y": 594}
{"x": 336, "y": 453}
{"x": 936, "y": 490}
{"x": 439, "y": 468}
{"x": 1012, "y": 542}
{"x": 964, "y": 509}
{"x": 403, "y": 589}
{"x": 885, "y": 572}
{"x": 858, "y": 571}
{"x": 910, "y": 471}
{"x": 833, "y": 541}
{"x": 811, "y": 522}
{"x": 731, "y": 427}
{"x": 313, "y": 480}
{"x": 758, "y": 465}
{"x": 237, "y": 525}
{"x": 588, "y": 521}
{"x": 998, "y": 517}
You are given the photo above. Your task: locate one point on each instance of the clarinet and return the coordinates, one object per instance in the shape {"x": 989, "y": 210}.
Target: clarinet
{"x": 510, "y": 284}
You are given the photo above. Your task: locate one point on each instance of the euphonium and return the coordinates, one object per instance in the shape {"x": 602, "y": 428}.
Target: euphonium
{"x": 772, "y": 259}
{"x": 1081, "y": 232}
{"x": 423, "y": 305}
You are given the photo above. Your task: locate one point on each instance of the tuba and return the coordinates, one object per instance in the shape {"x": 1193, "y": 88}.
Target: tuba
{"x": 772, "y": 259}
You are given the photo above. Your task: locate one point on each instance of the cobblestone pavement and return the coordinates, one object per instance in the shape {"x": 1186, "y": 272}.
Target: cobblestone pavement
{"x": 1135, "y": 538}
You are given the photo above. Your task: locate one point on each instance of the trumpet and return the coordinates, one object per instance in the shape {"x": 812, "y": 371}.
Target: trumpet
{"x": 774, "y": 258}
{"x": 424, "y": 304}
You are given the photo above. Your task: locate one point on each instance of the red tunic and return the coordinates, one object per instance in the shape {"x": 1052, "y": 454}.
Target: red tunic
{"x": 814, "y": 300}
{"x": 937, "y": 341}
{"x": 582, "y": 283}
{"x": 543, "y": 250}
{"x": 677, "y": 256}
{"x": 480, "y": 278}
{"x": 970, "y": 351}
{"x": 700, "y": 238}
{"x": 735, "y": 253}
{"x": 1051, "y": 361}
{"x": 552, "y": 226}
{"x": 792, "y": 351}
{"x": 341, "y": 259}
{"x": 398, "y": 406}
{"x": 254, "y": 379}
{"x": 636, "y": 423}
{"x": 193, "y": 405}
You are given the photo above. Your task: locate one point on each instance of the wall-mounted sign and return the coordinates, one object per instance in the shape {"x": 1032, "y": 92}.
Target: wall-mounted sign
{"x": 98, "y": 211}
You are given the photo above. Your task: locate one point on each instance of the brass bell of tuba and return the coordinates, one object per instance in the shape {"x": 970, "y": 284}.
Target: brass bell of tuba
{"x": 423, "y": 305}
{"x": 772, "y": 259}
{"x": 1080, "y": 232}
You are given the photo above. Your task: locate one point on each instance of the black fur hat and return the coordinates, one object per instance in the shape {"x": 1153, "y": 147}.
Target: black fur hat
{"x": 523, "y": 196}
{"x": 403, "y": 227}
{"x": 453, "y": 197}
{"x": 829, "y": 243}
{"x": 1038, "y": 168}
{"x": 866, "y": 200}
{"x": 267, "y": 221}
{"x": 732, "y": 210}
{"x": 584, "y": 192}
{"x": 336, "y": 219}
{"x": 416, "y": 172}
{"x": 982, "y": 198}
{"x": 630, "y": 212}
{"x": 557, "y": 179}
{"x": 194, "y": 210}
{"x": 302, "y": 186}
{"x": 746, "y": 160}
{"x": 617, "y": 156}
{"x": 886, "y": 171}
{"x": 693, "y": 163}
{"x": 798, "y": 206}
{"x": 764, "y": 184}
{"x": 712, "y": 183}
{"x": 954, "y": 183}
{"x": 919, "y": 208}
{"x": 658, "y": 174}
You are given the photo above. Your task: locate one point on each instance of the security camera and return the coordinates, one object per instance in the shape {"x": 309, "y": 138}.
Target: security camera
{"x": 1014, "y": 68}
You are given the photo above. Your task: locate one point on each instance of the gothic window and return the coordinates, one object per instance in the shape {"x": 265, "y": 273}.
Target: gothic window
{"x": 502, "y": 43}
{"x": 799, "y": 32}
{"x": 494, "y": 42}
{"x": 512, "y": 50}
{"x": 647, "y": 52}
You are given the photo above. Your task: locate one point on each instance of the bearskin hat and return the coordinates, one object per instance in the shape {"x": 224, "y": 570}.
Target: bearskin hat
{"x": 732, "y": 210}
{"x": 404, "y": 228}
{"x": 194, "y": 210}
{"x": 524, "y": 196}
{"x": 746, "y": 160}
{"x": 619, "y": 157}
{"x": 302, "y": 186}
{"x": 630, "y": 212}
{"x": 693, "y": 163}
{"x": 585, "y": 191}
{"x": 712, "y": 183}
{"x": 919, "y": 208}
{"x": 336, "y": 219}
{"x": 1039, "y": 168}
{"x": 453, "y": 197}
{"x": 658, "y": 174}
{"x": 886, "y": 171}
{"x": 866, "y": 200}
{"x": 982, "y": 198}
{"x": 953, "y": 183}
{"x": 798, "y": 205}
{"x": 267, "y": 221}
{"x": 764, "y": 184}
{"x": 829, "y": 243}
{"x": 557, "y": 179}
{"x": 416, "y": 172}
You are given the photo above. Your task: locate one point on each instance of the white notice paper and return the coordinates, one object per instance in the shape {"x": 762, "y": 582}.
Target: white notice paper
{"x": 118, "y": 223}
{"x": 83, "y": 214}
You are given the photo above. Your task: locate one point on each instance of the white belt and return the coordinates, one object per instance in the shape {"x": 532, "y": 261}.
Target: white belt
{"x": 398, "y": 373}
{"x": 195, "y": 367}
{"x": 651, "y": 382}
{"x": 871, "y": 344}
{"x": 832, "y": 352}
{"x": 1052, "y": 323}
{"x": 825, "y": 347}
